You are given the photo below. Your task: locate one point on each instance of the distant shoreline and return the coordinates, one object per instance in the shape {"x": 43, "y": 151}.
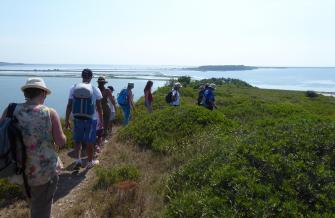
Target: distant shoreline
{"x": 221, "y": 68}
{"x": 6, "y": 64}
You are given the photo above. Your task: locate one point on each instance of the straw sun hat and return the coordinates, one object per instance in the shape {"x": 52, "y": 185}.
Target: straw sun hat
{"x": 37, "y": 83}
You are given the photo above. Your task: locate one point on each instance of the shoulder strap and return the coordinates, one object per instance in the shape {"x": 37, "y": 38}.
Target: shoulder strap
{"x": 10, "y": 110}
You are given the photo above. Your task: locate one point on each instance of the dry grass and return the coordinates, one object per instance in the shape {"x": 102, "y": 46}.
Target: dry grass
{"x": 19, "y": 209}
{"x": 144, "y": 198}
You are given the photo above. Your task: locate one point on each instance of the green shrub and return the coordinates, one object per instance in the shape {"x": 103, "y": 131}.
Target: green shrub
{"x": 163, "y": 130}
{"x": 109, "y": 176}
{"x": 311, "y": 94}
{"x": 9, "y": 192}
{"x": 184, "y": 80}
{"x": 263, "y": 153}
{"x": 269, "y": 173}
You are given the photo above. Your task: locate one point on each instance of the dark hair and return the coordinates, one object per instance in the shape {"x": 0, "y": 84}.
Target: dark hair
{"x": 111, "y": 88}
{"x": 30, "y": 93}
{"x": 86, "y": 74}
{"x": 148, "y": 85}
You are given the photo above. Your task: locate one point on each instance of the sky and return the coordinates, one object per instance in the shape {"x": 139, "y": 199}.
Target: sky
{"x": 168, "y": 32}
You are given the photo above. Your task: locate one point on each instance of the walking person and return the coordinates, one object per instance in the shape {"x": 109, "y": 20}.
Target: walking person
{"x": 201, "y": 92}
{"x": 106, "y": 110}
{"x": 148, "y": 96}
{"x": 209, "y": 97}
{"x": 84, "y": 100}
{"x": 176, "y": 94}
{"x": 42, "y": 134}
{"x": 125, "y": 100}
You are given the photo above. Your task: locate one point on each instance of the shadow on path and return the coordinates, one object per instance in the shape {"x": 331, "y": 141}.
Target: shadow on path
{"x": 68, "y": 181}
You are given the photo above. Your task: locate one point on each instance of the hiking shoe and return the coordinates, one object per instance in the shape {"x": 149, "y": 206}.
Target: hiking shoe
{"x": 92, "y": 163}
{"x": 97, "y": 149}
{"x": 77, "y": 164}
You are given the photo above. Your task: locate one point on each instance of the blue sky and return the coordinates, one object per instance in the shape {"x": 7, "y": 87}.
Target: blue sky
{"x": 169, "y": 32}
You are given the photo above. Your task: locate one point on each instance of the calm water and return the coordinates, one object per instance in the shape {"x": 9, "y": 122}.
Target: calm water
{"x": 14, "y": 76}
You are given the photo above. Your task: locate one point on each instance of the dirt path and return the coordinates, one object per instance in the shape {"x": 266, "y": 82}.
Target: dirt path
{"x": 75, "y": 198}
{"x": 71, "y": 183}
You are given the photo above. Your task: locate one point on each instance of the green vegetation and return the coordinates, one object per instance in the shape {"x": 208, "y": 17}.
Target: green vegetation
{"x": 263, "y": 153}
{"x": 9, "y": 192}
{"x": 109, "y": 176}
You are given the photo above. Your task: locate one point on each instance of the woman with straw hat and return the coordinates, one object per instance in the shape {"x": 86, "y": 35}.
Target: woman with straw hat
{"x": 41, "y": 132}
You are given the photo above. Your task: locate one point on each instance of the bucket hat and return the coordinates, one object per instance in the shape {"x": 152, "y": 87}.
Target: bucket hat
{"x": 36, "y": 82}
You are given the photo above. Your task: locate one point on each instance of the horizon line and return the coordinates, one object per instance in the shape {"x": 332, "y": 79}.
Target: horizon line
{"x": 258, "y": 66}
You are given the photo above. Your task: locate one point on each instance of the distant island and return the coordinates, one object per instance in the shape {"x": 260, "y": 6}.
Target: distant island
{"x": 6, "y": 63}
{"x": 221, "y": 68}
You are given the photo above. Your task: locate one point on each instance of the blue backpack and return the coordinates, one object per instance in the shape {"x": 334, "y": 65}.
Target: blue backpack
{"x": 122, "y": 97}
{"x": 83, "y": 106}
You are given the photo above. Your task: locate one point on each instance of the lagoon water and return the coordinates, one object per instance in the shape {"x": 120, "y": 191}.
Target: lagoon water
{"x": 59, "y": 78}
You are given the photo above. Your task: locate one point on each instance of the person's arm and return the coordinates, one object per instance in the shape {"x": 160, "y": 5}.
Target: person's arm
{"x": 174, "y": 95}
{"x": 68, "y": 112}
{"x": 99, "y": 109}
{"x": 110, "y": 96}
{"x": 130, "y": 99}
{"x": 114, "y": 103}
{"x": 57, "y": 131}
{"x": 146, "y": 96}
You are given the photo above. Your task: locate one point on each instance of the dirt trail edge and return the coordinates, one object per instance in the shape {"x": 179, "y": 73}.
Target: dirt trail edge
{"x": 77, "y": 199}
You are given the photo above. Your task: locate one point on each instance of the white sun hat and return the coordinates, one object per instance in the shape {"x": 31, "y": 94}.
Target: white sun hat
{"x": 177, "y": 84}
{"x": 36, "y": 82}
{"x": 212, "y": 85}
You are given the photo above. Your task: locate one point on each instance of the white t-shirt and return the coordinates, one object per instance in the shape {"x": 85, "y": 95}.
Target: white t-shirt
{"x": 96, "y": 94}
{"x": 111, "y": 106}
{"x": 177, "y": 101}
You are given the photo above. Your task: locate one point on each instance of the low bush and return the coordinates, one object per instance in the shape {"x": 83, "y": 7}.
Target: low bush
{"x": 9, "y": 192}
{"x": 268, "y": 174}
{"x": 311, "y": 94}
{"x": 164, "y": 130}
{"x": 264, "y": 153}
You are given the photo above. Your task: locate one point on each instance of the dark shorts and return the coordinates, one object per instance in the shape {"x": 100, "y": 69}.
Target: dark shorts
{"x": 84, "y": 131}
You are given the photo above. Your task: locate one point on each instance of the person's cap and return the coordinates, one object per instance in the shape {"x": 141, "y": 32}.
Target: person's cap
{"x": 131, "y": 85}
{"x": 37, "y": 83}
{"x": 212, "y": 85}
{"x": 111, "y": 88}
{"x": 86, "y": 73}
{"x": 177, "y": 84}
{"x": 101, "y": 79}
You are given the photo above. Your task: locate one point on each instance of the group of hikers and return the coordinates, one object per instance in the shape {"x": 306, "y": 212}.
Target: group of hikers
{"x": 92, "y": 110}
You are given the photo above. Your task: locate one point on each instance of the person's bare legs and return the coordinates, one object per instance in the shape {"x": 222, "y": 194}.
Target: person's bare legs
{"x": 77, "y": 150}
{"x": 90, "y": 152}
{"x": 110, "y": 127}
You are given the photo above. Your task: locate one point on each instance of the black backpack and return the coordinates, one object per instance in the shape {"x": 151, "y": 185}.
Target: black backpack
{"x": 12, "y": 150}
{"x": 169, "y": 97}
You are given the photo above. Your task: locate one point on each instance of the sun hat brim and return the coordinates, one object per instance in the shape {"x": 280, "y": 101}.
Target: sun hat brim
{"x": 36, "y": 87}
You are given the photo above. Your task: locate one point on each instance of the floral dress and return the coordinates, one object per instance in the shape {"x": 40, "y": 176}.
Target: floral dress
{"x": 36, "y": 128}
